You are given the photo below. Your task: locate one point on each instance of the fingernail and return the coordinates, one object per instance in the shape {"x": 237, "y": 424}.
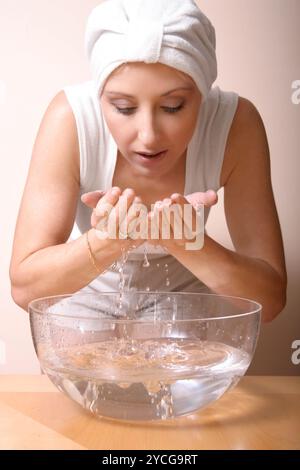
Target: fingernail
{"x": 127, "y": 192}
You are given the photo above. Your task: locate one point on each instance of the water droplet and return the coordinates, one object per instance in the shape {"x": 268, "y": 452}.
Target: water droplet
{"x": 146, "y": 263}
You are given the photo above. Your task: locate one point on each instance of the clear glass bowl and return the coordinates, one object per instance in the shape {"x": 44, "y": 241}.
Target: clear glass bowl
{"x": 144, "y": 355}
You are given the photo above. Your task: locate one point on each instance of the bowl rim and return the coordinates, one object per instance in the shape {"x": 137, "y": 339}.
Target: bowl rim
{"x": 257, "y": 306}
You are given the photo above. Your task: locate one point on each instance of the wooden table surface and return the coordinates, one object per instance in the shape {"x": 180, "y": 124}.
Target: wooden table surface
{"x": 259, "y": 413}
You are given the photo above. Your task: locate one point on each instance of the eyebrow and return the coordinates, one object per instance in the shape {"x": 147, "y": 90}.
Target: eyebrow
{"x": 189, "y": 88}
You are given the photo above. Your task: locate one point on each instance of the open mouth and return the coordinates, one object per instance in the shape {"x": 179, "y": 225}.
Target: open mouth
{"x": 153, "y": 156}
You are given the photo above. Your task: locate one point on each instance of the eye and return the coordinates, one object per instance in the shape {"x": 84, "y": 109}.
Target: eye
{"x": 173, "y": 110}
{"x": 128, "y": 111}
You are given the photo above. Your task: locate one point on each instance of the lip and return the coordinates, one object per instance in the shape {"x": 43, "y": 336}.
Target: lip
{"x": 151, "y": 153}
{"x": 151, "y": 160}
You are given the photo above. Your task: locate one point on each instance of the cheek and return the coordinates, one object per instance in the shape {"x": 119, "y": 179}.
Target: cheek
{"x": 122, "y": 136}
{"x": 189, "y": 124}
{"x": 119, "y": 131}
{"x": 184, "y": 129}
{"x": 110, "y": 117}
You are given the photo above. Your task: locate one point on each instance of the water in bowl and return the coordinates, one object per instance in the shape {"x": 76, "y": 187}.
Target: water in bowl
{"x": 146, "y": 379}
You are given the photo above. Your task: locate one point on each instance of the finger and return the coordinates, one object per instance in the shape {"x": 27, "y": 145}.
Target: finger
{"x": 124, "y": 212}
{"x": 208, "y": 198}
{"x": 188, "y": 215}
{"x": 167, "y": 231}
{"x": 172, "y": 221}
{"x": 177, "y": 223}
{"x": 153, "y": 228}
{"x": 94, "y": 220}
{"x": 91, "y": 198}
{"x": 106, "y": 203}
{"x": 103, "y": 208}
{"x": 161, "y": 218}
{"x": 137, "y": 215}
{"x": 212, "y": 196}
{"x": 120, "y": 210}
{"x": 175, "y": 216}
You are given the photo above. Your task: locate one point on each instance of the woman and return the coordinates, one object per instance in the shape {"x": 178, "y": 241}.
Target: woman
{"x": 92, "y": 137}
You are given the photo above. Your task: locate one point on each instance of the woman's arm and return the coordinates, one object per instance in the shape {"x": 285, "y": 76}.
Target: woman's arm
{"x": 256, "y": 270}
{"x": 42, "y": 263}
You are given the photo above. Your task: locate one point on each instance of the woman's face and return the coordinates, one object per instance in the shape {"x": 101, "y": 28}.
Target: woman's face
{"x": 152, "y": 119}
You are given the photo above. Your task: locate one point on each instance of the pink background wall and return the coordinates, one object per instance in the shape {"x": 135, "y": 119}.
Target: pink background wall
{"x": 41, "y": 49}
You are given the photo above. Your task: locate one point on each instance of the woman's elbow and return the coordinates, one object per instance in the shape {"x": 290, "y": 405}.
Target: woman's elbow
{"x": 17, "y": 290}
{"x": 19, "y": 297}
{"x": 277, "y": 305}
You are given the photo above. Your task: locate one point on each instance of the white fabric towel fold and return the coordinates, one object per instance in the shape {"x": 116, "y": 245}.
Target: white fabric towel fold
{"x": 173, "y": 32}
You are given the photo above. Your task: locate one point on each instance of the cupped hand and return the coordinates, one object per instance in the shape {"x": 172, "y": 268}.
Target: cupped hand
{"x": 95, "y": 199}
{"x": 176, "y": 221}
{"x": 114, "y": 211}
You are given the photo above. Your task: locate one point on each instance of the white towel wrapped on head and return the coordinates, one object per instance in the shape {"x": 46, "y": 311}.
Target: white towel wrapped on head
{"x": 173, "y": 32}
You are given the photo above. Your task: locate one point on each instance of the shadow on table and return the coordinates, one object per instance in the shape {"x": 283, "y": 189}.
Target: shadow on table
{"x": 248, "y": 403}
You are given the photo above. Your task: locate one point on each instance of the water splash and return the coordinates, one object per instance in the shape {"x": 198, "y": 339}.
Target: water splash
{"x": 121, "y": 266}
{"x": 146, "y": 263}
{"x": 166, "y": 377}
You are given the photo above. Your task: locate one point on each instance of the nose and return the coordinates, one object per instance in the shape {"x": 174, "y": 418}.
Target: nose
{"x": 148, "y": 133}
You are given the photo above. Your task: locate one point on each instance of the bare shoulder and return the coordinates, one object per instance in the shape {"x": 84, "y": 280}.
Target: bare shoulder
{"x": 249, "y": 202}
{"x": 60, "y": 100}
{"x": 59, "y": 120}
{"x": 59, "y": 105}
{"x": 247, "y": 130}
{"x": 52, "y": 186}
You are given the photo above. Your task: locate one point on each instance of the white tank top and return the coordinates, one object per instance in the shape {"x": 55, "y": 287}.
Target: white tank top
{"x": 98, "y": 156}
